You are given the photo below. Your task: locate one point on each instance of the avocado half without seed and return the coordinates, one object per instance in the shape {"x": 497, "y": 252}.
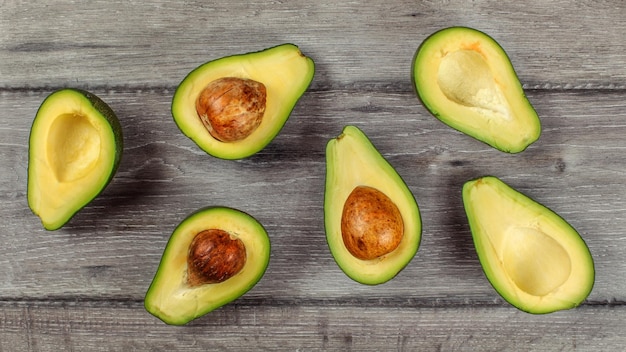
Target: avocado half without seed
{"x": 533, "y": 258}
{"x": 213, "y": 257}
{"x": 372, "y": 221}
{"x": 234, "y": 106}
{"x": 466, "y": 80}
{"x": 75, "y": 148}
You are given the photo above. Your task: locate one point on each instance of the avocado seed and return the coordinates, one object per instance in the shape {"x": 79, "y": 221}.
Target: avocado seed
{"x": 232, "y": 108}
{"x": 371, "y": 224}
{"x": 214, "y": 256}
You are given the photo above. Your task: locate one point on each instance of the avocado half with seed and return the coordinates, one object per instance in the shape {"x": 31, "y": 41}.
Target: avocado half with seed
{"x": 466, "y": 80}
{"x": 234, "y": 106}
{"x": 75, "y": 148}
{"x": 372, "y": 221}
{"x": 532, "y": 257}
{"x": 213, "y": 257}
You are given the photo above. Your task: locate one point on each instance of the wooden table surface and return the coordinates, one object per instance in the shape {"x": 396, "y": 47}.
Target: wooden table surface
{"x": 81, "y": 288}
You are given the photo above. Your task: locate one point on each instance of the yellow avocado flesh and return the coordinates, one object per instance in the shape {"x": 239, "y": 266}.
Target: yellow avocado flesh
{"x": 532, "y": 257}
{"x": 74, "y": 150}
{"x": 286, "y": 74}
{"x": 466, "y": 80}
{"x": 351, "y": 161}
{"x": 175, "y": 302}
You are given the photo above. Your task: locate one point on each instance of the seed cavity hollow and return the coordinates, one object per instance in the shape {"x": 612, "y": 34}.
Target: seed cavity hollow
{"x": 535, "y": 262}
{"x": 73, "y": 147}
{"x": 465, "y": 78}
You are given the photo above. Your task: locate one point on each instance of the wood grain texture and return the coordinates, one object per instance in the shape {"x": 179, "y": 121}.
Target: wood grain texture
{"x": 28, "y": 327}
{"x": 164, "y": 176}
{"x": 82, "y": 287}
{"x": 559, "y": 43}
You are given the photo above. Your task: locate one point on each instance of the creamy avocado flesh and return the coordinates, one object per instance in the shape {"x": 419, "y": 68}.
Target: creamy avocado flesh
{"x": 74, "y": 150}
{"x": 177, "y": 295}
{"x": 356, "y": 170}
{"x": 532, "y": 257}
{"x": 466, "y": 80}
{"x": 280, "y": 75}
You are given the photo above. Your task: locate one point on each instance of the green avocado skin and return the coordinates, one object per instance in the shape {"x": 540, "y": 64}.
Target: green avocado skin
{"x": 284, "y": 63}
{"x": 505, "y": 139}
{"x": 172, "y": 300}
{"x": 352, "y": 160}
{"x": 106, "y": 113}
{"x": 487, "y": 222}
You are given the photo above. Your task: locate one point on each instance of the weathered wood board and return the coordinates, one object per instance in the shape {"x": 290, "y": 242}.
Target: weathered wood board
{"x": 82, "y": 287}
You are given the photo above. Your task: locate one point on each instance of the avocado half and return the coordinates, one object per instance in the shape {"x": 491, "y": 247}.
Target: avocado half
{"x": 532, "y": 257}
{"x": 174, "y": 298}
{"x": 286, "y": 74}
{"x": 466, "y": 80}
{"x": 75, "y": 148}
{"x": 353, "y": 162}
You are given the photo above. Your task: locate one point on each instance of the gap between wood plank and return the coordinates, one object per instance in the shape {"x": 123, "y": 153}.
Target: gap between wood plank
{"x": 362, "y": 87}
{"x": 398, "y": 302}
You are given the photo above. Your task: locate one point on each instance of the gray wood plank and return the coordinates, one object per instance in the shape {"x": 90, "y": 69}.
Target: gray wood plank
{"x": 112, "y": 247}
{"x": 555, "y": 44}
{"x": 81, "y": 288}
{"x": 74, "y": 327}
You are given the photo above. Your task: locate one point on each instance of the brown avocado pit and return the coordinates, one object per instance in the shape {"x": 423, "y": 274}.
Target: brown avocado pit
{"x": 214, "y": 256}
{"x": 371, "y": 224}
{"x": 232, "y": 108}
